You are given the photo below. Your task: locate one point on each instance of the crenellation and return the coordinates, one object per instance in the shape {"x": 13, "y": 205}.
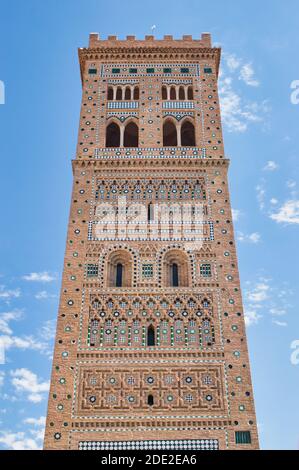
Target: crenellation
{"x": 204, "y": 40}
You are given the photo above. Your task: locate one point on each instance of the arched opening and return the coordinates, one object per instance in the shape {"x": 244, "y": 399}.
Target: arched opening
{"x": 181, "y": 93}
{"x": 150, "y": 212}
{"x": 169, "y": 134}
{"x": 164, "y": 92}
{"x": 190, "y": 93}
{"x": 150, "y": 400}
{"x": 127, "y": 93}
{"x": 119, "y": 269}
{"x": 136, "y": 93}
{"x": 112, "y": 135}
{"x": 119, "y": 93}
{"x": 176, "y": 269}
{"x": 187, "y": 134}
{"x": 174, "y": 275}
{"x": 151, "y": 336}
{"x": 131, "y": 135}
{"x": 119, "y": 275}
{"x": 172, "y": 93}
{"x": 110, "y": 94}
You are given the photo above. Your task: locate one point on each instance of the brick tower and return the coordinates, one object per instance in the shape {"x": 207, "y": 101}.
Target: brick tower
{"x": 150, "y": 347}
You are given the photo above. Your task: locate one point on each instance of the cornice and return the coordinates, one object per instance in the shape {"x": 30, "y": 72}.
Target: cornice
{"x": 119, "y": 53}
{"x": 142, "y": 163}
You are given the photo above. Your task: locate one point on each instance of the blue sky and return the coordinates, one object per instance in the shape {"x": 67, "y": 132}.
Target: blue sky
{"x": 39, "y": 121}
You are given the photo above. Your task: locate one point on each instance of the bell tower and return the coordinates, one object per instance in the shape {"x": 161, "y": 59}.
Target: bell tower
{"x": 150, "y": 348}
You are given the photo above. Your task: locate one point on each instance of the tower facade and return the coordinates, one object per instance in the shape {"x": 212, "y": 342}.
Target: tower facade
{"x": 150, "y": 346}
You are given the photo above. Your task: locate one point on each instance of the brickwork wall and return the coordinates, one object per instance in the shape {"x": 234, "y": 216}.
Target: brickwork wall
{"x": 198, "y": 371}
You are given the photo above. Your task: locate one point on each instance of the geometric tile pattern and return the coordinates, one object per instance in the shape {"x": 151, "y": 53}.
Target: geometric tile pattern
{"x": 188, "y": 444}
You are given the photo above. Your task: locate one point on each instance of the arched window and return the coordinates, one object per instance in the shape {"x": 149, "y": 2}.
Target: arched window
{"x": 112, "y": 135}
{"x": 119, "y": 93}
{"x": 172, "y": 93}
{"x": 110, "y": 93}
{"x": 187, "y": 134}
{"x": 176, "y": 269}
{"x": 131, "y": 135}
{"x": 127, "y": 93}
{"x": 150, "y": 400}
{"x": 151, "y": 336}
{"x": 181, "y": 93}
{"x": 136, "y": 93}
{"x": 119, "y": 269}
{"x": 169, "y": 134}
{"x": 190, "y": 93}
{"x": 164, "y": 92}
{"x": 174, "y": 275}
{"x": 119, "y": 275}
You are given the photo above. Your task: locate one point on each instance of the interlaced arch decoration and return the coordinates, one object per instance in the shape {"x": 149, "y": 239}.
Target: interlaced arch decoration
{"x": 171, "y": 321}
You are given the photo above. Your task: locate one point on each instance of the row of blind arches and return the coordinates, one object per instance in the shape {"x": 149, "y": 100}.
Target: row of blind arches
{"x": 131, "y": 92}
{"x": 175, "y": 134}
{"x": 172, "y": 92}
{"x": 118, "y": 93}
{"x": 177, "y": 333}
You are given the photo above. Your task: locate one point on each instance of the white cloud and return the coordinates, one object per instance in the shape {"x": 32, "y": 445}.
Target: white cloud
{"x": 41, "y": 421}
{"x": 9, "y": 397}
{"x": 280, "y": 323}
{"x": 31, "y": 439}
{"x": 24, "y": 342}
{"x": 48, "y": 329}
{"x": 254, "y": 237}
{"x": 277, "y": 311}
{"x": 43, "y": 295}
{"x": 288, "y": 213}
{"x": 41, "y": 342}
{"x": 6, "y": 317}
{"x": 232, "y": 62}
{"x": 38, "y": 434}
{"x": 264, "y": 296}
{"x": 2, "y": 377}
{"x": 19, "y": 441}
{"x": 40, "y": 277}
{"x": 273, "y": 201}
{"x": 9, "y": 293}
{"x": 259, "y": 293}
{"x": 260, "y": 194}
{"x": 253, "y": 298}
{"x": 236, "y": 213}
{"x": 237, "y": 114}
{"x": 237, "y": 111}
{"x": 25, "y": 381}
{"x": 271, "y": 166}
{"x": 291, "y": 184}
{"x": 247, "y": 75}
{"x": 251, "y": 317}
